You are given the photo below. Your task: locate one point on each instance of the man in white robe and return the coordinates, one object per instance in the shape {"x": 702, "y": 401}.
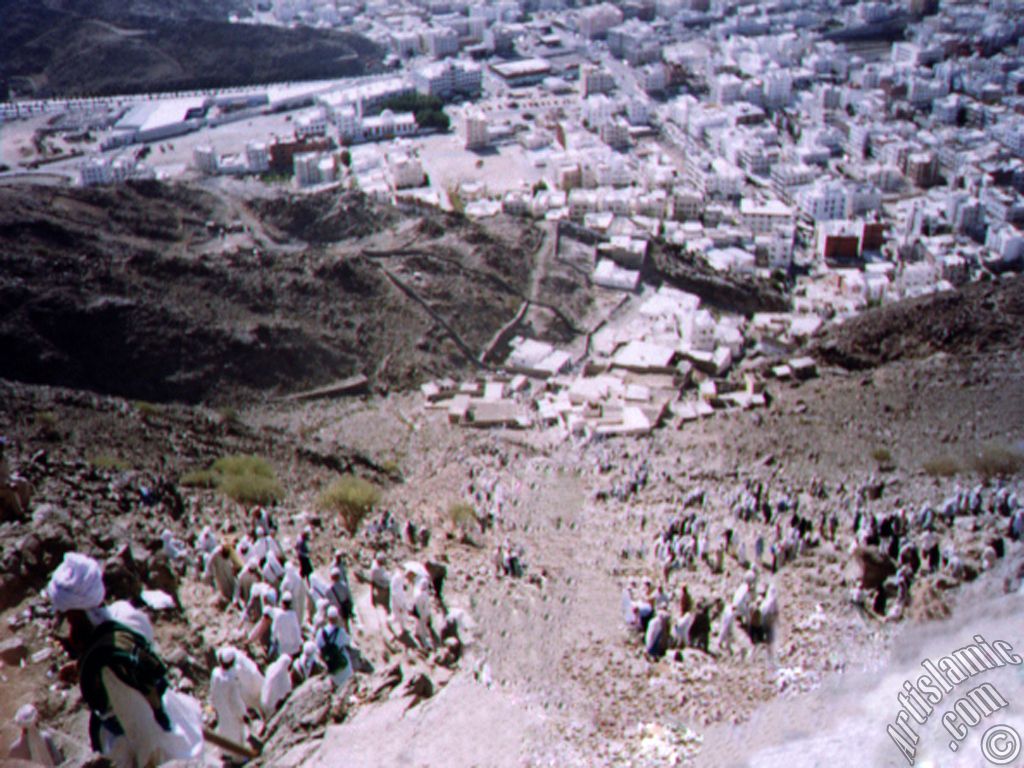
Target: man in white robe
{"x": 129, "y": 729}
{"x": 34, "y": 745}
{"x": 285, "y": 631}
{"x": 249, "y": 677}
{"x": 294, "y": 583}
{"x": 277, "y": 685}
{"x": 226, "y": 698}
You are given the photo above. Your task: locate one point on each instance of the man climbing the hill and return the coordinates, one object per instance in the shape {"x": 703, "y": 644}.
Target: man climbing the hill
{"x": 136, "y": 720}
{"x": 333, "y": 642}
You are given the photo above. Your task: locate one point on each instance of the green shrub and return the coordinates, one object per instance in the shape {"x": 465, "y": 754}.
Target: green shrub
{"x": 882, "y": 455}
{"x": 351, "y": 497}
{"x": 250, "y": 489}
{"x": 941, "y": 466}
{"x": 229, "y": 415}
{"x": 199, "y": 478}
{"x": 461, "y": 514}
{"x": 147, "y": 409}
{"x": 244, "y": 478}
{"x": 46, "y": 419}
{"x": 107, "y": 461}
{"x": 243, "y": 464}
{"x": 997, "y": 460}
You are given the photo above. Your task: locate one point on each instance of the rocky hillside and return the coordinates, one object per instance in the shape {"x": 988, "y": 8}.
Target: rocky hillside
{"x": 979, "y": 317}
{"x": 169, "y": 292}
{"x": 77, "y": 48}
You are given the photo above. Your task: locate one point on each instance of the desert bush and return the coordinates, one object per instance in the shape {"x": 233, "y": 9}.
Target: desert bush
{"x": 997, "y": 459}
{"x": 199, "y": 478}
{"x": 147, "y": 409}
{"x": 108, "y": 461}
{"x": 250, "y": 489}
{"x": 461, "y": 514}
{"x": 229, "y": 415}
{"x": 48, "y": 425}
{"x": 941, "y": 466}
{"x": 244, "y": 478}
{"x": 882, "y": 455}
{"x": 351, "y": 497}
{"x": 243, "y": 464}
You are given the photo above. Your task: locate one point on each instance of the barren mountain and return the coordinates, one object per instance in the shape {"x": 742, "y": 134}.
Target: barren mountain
{"x": 87, "y": 49}
{"x": 161, "y": 293}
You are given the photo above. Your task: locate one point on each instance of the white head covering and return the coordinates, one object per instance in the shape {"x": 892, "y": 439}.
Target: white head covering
{"x": 77, "y": 584}
{"x": 25, "y": 716}
{"x": 308, "y": 648}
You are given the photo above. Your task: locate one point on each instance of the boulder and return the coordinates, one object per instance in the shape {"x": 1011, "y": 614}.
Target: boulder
{"x": 13, "y": 651}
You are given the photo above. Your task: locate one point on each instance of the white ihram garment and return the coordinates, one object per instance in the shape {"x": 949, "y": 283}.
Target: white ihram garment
{"x": 144, "y": 742}
{"x": 226, "y": 699}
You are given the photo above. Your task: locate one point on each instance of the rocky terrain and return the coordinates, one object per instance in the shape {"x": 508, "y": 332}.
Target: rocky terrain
{"x": 980, "y": 317}
{"x": 93, "y": 49}
{"x": 172, "y": 293}
{"x": 550, "y": 675}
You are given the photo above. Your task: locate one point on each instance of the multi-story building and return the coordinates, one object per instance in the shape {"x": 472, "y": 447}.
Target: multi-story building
{"x": 595, "y": 21}
{"x": 406, "y": 171}
{"x": 615, "y": 133}
{"x": 687, "y": 204}
{"x": 447, "y": 79}
{"x": 475, "y": 128}
{"x": 634, "y": 42}
{"x": 765, "y": 217}
{"x": 311, "y": 124}
{"x": 440, "y": 42}
{"x": 257, "y": 156}
{"x": 824, "y": 201}
{"x": 204, "y": 158}
{"x": 388, "y": 125}
{"x": 307, "y": 168}
{"x": 595, "y": 80}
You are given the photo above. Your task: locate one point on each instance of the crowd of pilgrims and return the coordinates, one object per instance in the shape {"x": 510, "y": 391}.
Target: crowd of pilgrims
{"x": 891, "y": 549}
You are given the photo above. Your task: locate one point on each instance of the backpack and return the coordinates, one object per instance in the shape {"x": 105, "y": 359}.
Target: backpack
{"x": 130, "y": 656}
{"x": 334, "y": 655}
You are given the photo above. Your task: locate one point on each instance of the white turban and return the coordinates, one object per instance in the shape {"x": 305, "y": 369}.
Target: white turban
{"x": 26, "y": 716}
{"x": 77, "y": 584}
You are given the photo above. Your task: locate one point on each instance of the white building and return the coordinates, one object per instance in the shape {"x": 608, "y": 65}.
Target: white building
{"x": 596, "y": 20}
{"x": 595, "y": 80}
{"x": 688, "y": 204}
{"x": 763, "y": 218}
{"x": 307, "y": 168}
{"x": 311, "y": 124}
{"x": 824, "y": 202}
{"x": 257, "y": 156}
{"x": 204, "y": 158}
{"x": 446, "y": 79}
{"x": 727, "y": 88}
{"x": 475, "y": 127}
{"x": 406, "y": 171}
{"x": 1006, "y": 241}
{"x": 615, "y": 133}
{"x": 440, "y": 42}
{"x": 778, "y": 88}
{"x": 388, "y": 125}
